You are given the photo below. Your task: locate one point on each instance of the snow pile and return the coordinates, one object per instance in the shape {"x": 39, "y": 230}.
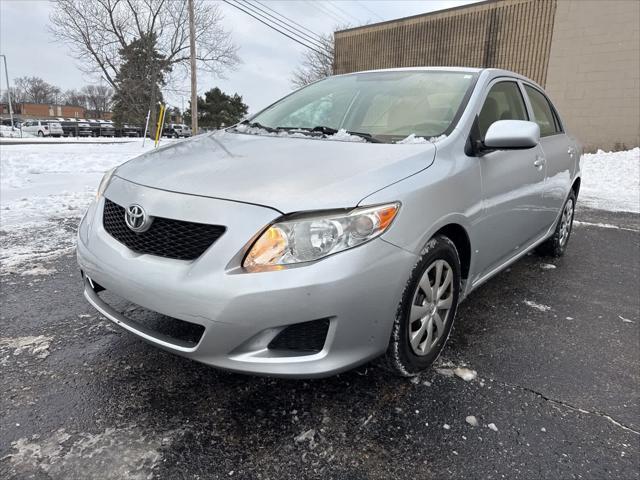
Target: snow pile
{"x": 35, "y": 346}
{"x": 611, "y": 180}
{"x": 465, "y": 374}
{"x": 471, "y": 420}
{"x": 412, "y": 139}
{"x": 537, "y": 306}
{"x": 44, "y": 190}
{"x": 30, "y": 138}
{"x": 341, "y": 136}
{"x": 7, "y": 132}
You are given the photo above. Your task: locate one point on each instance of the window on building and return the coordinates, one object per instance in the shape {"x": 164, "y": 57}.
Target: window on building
{"x": 543, "y": 112}
{"x": 504, "y": 102}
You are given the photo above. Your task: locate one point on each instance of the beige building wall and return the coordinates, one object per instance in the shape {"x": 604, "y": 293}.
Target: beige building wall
{"x": 511, "y": 34}
{"x": 586, "y": 53}
{"x": 593, "y": 76}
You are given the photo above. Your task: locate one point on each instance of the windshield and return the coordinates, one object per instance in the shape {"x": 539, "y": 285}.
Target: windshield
{"x": 389, "y": 106}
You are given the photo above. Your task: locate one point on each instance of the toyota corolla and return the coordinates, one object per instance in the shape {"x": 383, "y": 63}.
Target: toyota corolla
{"x": 343, "y": 223}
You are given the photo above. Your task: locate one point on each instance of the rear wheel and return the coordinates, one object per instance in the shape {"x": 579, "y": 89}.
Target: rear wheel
{"x": 40, "y": 133}
{"x": 556, "y": 245}
{"x": 427, "y": 309}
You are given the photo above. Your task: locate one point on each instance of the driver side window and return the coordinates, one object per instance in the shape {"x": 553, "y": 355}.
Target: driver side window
{"x": 504, "y": 102}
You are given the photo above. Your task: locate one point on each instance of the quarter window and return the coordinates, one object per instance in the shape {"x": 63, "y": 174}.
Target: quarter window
{"x": 504, "y": 102}
{"x": 543, "y": 112}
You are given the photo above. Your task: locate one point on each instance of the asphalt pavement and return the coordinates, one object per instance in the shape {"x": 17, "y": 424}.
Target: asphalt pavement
{"x": 555, "y": 344}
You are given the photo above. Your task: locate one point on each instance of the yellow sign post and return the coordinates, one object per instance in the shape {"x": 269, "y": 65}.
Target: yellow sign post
{"x": 159, "y": 126}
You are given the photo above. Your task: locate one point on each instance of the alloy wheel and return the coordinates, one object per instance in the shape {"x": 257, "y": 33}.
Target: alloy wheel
{"x": 430, "y": 308}
{"x": 565, "y": 222}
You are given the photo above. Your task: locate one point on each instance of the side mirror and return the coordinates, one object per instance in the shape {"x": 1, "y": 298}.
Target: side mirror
{"x": 512, "y": 135}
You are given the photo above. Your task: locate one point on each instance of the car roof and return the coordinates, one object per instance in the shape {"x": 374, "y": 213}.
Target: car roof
{"x": 492, "y": 72}
{"x": 420, "y": 69}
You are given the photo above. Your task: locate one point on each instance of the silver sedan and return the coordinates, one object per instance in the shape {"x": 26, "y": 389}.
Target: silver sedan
{"x": 343, "y": 223}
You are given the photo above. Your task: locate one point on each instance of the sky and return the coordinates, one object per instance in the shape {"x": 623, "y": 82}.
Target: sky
{"x": 268, "y": 58}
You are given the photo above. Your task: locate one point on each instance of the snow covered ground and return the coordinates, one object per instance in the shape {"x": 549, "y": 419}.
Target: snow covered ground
{"x": 14, "y": 138}
{"x": 7, "y": 131}
{"x": 611, "y": 181}
{"x": 44, "y": 190}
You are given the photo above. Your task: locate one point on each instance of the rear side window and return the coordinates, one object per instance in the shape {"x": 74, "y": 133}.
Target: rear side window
{"x": 542, "y": 110}
{"x": 504, "y": 102}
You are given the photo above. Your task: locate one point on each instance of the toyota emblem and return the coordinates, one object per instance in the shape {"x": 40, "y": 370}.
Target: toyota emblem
{"x": 137, "y": 219}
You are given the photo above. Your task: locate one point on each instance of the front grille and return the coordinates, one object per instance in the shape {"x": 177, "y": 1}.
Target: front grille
{"x": 303, "y": 337}
{"x": 166, "y": 238}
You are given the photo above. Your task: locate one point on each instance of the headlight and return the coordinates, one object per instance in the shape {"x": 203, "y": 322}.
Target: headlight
{"x": 104, "y": 183}
{"x": 313, "y": 237}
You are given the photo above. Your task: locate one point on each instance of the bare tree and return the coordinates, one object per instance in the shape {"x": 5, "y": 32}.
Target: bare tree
{"x": 96, "y": 30}
{"x": 34, "y": 90}
{"x": 75, "y": 98}
{"x": 98, "y": 99}
{"x": 17, "y": 95}
{"x": 316, "y": 65}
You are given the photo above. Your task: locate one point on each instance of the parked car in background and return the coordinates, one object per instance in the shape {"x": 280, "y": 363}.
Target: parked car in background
{"x": 128, "y": 130}
{"x": 176, "y": 130}
{"x": 107, "y": 129}
{"x": 342, "y": 223}
{"x": 7, "y": 122}
{"x": 43, "y": 128}
{"x": 72, "y": 127}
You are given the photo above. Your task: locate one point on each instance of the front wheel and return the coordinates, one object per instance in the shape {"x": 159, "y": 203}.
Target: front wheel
{"x": 427, "y": 309}
{"x": 556, "y": 245}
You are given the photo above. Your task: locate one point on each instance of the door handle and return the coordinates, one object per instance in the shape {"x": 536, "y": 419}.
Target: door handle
{"x": 540, "y": 161}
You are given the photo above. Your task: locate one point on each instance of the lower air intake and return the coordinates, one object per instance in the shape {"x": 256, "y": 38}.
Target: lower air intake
{"x": 308, "y": 337}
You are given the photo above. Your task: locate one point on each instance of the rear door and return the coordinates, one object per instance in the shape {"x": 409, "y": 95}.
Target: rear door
{"x": 557, "y": 149}
{"x": 512, "y": 183}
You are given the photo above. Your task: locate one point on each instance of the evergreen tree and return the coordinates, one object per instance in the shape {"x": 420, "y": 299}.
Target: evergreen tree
{"x": 139, "y": 82}
{"x": 217, "y": 109}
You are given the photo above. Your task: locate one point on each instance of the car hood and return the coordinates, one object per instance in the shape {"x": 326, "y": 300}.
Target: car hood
{"x": 286, "y": 173}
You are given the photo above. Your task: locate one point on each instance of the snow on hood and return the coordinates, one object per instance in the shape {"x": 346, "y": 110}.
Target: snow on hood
{"x": 289, "y": 173}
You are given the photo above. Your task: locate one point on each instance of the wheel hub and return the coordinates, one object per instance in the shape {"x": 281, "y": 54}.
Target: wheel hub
{"x": 430, "y": 308}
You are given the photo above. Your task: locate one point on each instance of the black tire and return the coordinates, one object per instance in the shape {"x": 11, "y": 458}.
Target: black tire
{"x": 40, "y": 133}
{"x": 556, "y": 245}
{"x": 400, "y": 357}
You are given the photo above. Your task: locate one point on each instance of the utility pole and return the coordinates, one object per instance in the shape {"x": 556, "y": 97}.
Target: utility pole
{"x": 6, "y": 72}
{"x": 194, "y": 83}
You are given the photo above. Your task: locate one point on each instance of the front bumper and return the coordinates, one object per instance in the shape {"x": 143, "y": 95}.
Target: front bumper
{"x": 358, "y": 290}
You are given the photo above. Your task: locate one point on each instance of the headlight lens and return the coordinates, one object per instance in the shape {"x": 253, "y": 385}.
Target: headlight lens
{"x": 314, "y": 237}
{"x": 104, "y": 183}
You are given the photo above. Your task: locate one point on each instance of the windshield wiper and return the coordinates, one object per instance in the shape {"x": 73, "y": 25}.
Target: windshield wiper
{"x": 324, "y": 130}
{"x": 259, "y": 125}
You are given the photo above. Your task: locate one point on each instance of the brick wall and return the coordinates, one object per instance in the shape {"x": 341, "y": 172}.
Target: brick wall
{"x": 594, "y": 71}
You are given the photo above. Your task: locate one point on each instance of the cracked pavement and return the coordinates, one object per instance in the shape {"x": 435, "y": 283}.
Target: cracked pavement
{"x": 80, "y": 399}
